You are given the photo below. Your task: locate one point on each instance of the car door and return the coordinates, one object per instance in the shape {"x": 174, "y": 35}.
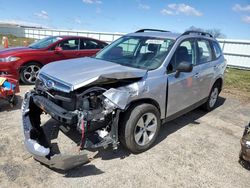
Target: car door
{"x": 51, "y": 55}
{"x": 70, "y": 48}
{"x": 183, "y": 90}
{"x": 88, "y": 47}
{"x": 207, "y": 66}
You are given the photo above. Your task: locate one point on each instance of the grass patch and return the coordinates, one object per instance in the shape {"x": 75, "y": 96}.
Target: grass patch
{"x": 17, "y": 41}
{"x": 237, "y": 79}
{"x": 237, "y": 82}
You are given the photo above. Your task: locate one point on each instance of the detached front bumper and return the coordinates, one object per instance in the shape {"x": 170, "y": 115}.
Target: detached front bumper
{"x": 35, "y": 139}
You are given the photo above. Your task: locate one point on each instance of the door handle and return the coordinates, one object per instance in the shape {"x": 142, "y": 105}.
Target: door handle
{"x": 216, "y": 66}
{"x": 197, "y": 75}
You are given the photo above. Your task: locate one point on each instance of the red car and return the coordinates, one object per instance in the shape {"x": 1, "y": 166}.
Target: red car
{"x": 25, "y": 62}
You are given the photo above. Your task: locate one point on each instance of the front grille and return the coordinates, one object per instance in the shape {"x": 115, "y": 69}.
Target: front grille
{"x": 62, "y": 99}
{"x": 57, "y": 85}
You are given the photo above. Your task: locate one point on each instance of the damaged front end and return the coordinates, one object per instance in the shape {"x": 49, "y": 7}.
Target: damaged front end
{"x": 92, "y": 114}
{"x": 38, "y": 143}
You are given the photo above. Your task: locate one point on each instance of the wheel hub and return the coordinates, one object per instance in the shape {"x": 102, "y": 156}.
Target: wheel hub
{"x": 30, "y": 73}
{"x": 213, "y": 97}
{"x": 145, "y": 129}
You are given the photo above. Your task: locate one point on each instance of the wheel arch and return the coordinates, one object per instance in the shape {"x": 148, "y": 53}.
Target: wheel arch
{"x": 29, "y": 62}
{"x": 219, "y": 81}
{"x": 141, "y": 101}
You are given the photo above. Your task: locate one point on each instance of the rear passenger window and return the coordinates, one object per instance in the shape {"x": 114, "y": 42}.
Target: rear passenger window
{"x": 87, "y": 44}
{"x": 217, "y": 50}
{"x": 204, "y": 51}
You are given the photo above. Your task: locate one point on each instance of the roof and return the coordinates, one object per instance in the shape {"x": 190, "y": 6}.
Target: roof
{"x": 72, "y": 36}
{"x": 170, "y": 35}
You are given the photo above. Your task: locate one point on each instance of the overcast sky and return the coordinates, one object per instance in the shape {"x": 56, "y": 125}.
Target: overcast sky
{"x": 231, "y": 16}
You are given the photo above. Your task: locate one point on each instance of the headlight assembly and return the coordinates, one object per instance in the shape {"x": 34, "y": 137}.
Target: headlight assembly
{"x": 9, "y": 59}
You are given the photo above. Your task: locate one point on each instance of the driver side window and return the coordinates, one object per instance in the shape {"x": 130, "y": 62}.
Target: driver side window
{"x": 69, "y": 44}
{"x": 184, "y": 52}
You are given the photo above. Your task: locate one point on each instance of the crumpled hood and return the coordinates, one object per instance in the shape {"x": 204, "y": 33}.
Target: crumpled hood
{"x": 80, "y": 72}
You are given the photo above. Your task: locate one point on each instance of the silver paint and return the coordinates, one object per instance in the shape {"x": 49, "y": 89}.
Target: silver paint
{"x": 169, "y": 93}
{"x": 76, "y": 73}
{"x": 31, "y": 145}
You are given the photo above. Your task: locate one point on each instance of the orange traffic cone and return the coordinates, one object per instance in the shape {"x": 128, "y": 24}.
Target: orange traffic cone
{"x": 5, "y": 42}
{"x": 25, "y": 43}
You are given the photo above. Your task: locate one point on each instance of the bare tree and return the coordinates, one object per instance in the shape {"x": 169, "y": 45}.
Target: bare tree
{"x": 215, "y": 32}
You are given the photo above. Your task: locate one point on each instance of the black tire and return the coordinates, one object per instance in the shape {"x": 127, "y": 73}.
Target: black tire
{"x": 129, "y": 128}
{"x": 13, "y": 100}
{"x": 29, "y": 72}
{"x": 212, "y": 98}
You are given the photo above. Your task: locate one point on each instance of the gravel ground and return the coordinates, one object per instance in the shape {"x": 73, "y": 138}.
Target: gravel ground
{"x": 196, "y": 150}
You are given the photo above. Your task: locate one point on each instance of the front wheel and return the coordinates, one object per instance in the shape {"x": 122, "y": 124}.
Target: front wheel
{"x": 29, "y": 73}
{"x": 140, "y": 127}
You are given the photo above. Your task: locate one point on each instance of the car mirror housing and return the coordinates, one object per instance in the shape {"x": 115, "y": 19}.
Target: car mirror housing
{"x": 58, "y": 49}
{"x": 184, "y": 66}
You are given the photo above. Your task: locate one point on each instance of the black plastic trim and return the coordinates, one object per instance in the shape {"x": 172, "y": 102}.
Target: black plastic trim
{"x": 58, "y": 113}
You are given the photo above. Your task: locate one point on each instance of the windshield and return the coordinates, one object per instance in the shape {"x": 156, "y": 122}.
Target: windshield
{"x": 44, "y": 43}
{"x": 139, "y": 52}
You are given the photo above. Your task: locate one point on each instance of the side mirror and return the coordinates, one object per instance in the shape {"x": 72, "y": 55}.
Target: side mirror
{"x": 184, "y": 66}
{"x": 58, "y": 49}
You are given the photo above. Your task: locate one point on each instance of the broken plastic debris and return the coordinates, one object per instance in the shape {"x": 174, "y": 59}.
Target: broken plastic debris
{"x": 35, "y": 148}
{"x": 65, "y": 161}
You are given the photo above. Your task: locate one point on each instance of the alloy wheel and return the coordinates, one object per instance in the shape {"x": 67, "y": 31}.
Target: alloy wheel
{"x": 213, "y": 97}
{"x": 30, "y": 73}
{"x": 145, "y": 129}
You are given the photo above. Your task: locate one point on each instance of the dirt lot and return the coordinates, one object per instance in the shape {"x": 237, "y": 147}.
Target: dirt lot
{"x": 195, "y": 150}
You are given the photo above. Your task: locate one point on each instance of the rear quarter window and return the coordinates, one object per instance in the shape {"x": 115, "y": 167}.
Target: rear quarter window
{"x": 217, "y": 50}
{"x": 87, "y": 44}
{"x": 204, "y": 51}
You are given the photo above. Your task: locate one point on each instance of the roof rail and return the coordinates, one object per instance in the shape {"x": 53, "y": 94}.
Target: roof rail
{"x": 198, "y": 33}
{"x": 143, "y": 30}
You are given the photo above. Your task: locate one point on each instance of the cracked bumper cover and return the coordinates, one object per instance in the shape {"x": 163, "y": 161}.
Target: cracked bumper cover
{"x": 33, "y": 146}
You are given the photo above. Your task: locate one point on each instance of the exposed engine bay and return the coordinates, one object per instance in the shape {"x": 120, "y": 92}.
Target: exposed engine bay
{"x": 93, "y": 112}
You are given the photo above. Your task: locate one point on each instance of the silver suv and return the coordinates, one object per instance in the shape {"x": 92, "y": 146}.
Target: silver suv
{"x": 124, "y": 93}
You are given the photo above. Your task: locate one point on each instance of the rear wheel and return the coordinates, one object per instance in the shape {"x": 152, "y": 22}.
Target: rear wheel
{"x": 212, "y": 99}
{"x": 140, "y": 127}
{"x": 29, "y": 73}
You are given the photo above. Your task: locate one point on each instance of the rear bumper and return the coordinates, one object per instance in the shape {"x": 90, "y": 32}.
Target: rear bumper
{"x": 37, "y": 142}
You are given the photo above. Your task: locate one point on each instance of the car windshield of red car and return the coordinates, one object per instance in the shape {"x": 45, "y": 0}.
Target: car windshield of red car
{"x": 45, "y": 42}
